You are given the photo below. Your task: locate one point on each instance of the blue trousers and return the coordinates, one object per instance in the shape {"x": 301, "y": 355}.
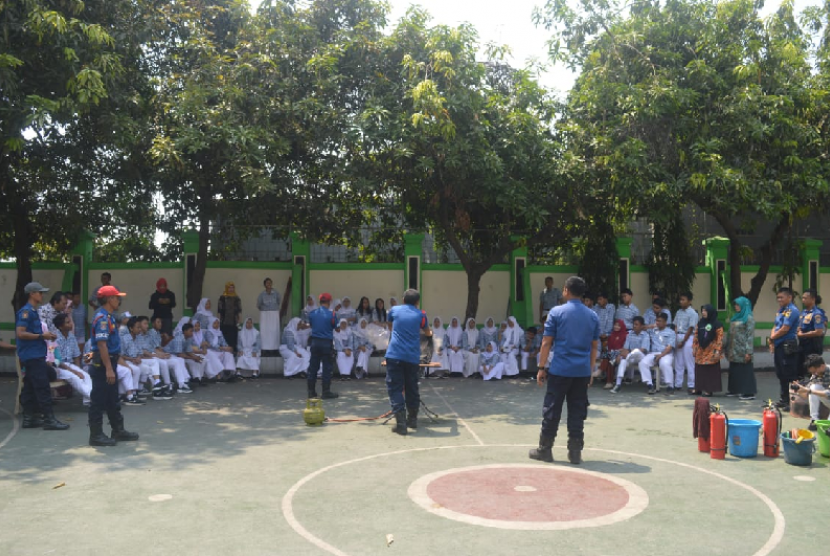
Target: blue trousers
{"x": 574, "y": 391}
{"x": 36, "y": 393}
{"x": 321, "y": 350}
{"x": 402, "y": 385}
{"x": 786, "y": 369}
{"x": 104, "y": 397}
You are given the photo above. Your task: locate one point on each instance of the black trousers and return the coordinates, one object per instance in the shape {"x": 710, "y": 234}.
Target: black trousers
{"x": 574, "y": 391}
{"x": 807, "y": 347}
{"x": 104, "y": 397}
{"x": 786, "y": 369}
{"x": 36, "y": 394}
{"x": 322, "y": 351}
{"x": 231, "y": 334}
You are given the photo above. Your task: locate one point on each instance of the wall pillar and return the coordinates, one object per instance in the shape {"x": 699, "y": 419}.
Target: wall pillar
{"x": 624, "y": 266}
{"x": 191, "y": 250}
{"x": 810, "y": 269}
{"x": 717, "y": 255}
{"x": 300, "y": 257}
{"x": 413, "y": 256}
{"x": 75, "y": 276}
{"x": 520, "y": 302}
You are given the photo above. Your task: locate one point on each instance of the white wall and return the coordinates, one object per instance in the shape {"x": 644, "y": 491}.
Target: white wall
{"x": 248, "y": 282}
{"x": 701, "y": 289}
{"x": 139, "y": 285}
{"x": 52, "y": 279}
{"x": 639, "y": 285}
{"x": 445, "y": 294}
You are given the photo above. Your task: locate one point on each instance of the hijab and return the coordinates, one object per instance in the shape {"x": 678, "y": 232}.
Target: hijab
{"x": 513, "y": 335}
{"x": 359, "y": 331}
{"x": 215, "y": 333}
{"x": 310, "y": 306}
{"x": 490, "y": 330}
{"x": 616, "y": 340}
{"x": 199, "y": 336}
{"x": 201, "y": 310}
{"x": 492, "y": 355}
{"x": 438, "y": 331}
{"x": 454, "y": 333}
{"x": 248, "y": 337}
{"x": 179, "y": 326}
{"x": 292, "y": 327}
{"x": 472, "y": 333}
{"x": 343, "y": 335}
{"x": 226, "y": 293}
{"x": 161, "y": 285}
{"x": 707, "y": 328}
{"x": 746, "y": 310}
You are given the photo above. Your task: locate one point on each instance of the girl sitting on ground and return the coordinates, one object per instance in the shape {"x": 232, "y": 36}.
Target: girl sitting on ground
{"x": 363, "y": 348}
{"x": 344, "y": 345}
{"x": 249, "y": 349}
{"x": 491, "y": 365}
{"x": 295, "y": 357}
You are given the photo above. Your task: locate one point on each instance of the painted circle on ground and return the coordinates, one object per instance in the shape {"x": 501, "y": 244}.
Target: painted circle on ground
{"x": 528, "y": 497}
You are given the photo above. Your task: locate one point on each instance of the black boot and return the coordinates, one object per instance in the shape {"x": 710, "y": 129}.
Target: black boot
{"x": 327, "y": 393}
{"x": 32, "y": 421}
{"x": 575, "y": 451}
{"x": 51, "y": 423}
{"x": 545, "y": 450}
{"x": 412, "y": 418}
{"x": 312, "y": 393}
{"x": 97, "y": 436}
{"x": 400, "y": 423}
{"x": 118, "y": 432}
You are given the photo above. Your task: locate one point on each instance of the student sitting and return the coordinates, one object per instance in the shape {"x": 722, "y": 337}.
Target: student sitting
{"x": 295, "y": 358}
{"x": 637, "y": 345}
{"x": 379, "y": 312}
{"x": 529, "y": 347}
{"x": 189, "y": 351}
{"x": 510, "y": 347}
{"x": 364, "y": 310}
{"x": 363, "y": 348}
{"x": 347, "y": 312}
{"x": 131, "y": 353}
{"x": 212, "y": 362}
{"x": 344, "y": 346}
{"x": 658, "y": 307}
{"x": 219, "y": 350}
{"x": 488, "y": 334}
{"x": 661, "y": 354}
{"x": 310, "y": 305}
{"x": 439, "y": 352}
{"x": 178, "y": 348}
{"x": 453, "y": 342}
{"x": 249, "y": 349}
{"x": 816, "y": 388}
{"x": 491, "y": 365}
{"x": 68, "y": 358}
{"x": 610, "y": 357}
{"x": 469, "y": 344}
{"x": 152, "y": 345}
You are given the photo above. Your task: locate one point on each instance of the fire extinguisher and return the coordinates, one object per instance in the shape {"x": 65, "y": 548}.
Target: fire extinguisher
{"x": 718, "y": 423}
{"x": 773, "y": 421}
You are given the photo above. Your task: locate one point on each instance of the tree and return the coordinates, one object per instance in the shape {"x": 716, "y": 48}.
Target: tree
{"x": 698, "y": 101}
{"x": 464, "y": 146}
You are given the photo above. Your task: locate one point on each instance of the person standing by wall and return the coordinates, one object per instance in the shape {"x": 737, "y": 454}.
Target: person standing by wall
{"x": 268, "y": 303}
{"x": 323, "y": 323}
{"x": 230, "y": 313}
{"x": 572, "y": 330}
{"x": 548, "y": 299}
{"x": 106, "y": 280}
{"x": 162, "y": 302}
{"x": 740, "y": 351}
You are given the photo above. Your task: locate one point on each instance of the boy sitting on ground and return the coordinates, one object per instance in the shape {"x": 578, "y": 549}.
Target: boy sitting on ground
{"x": 816, "y": 388}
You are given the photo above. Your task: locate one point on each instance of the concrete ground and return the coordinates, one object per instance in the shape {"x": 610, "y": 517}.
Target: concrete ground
{"x": 233, "y": 470}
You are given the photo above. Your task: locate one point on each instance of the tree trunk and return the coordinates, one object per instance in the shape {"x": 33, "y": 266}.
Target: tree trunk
{"x": 22, "y": 252}
{"x": 474, "y": 275}
{"x": 766, "y": 258}
{"x": 194, "y": 290}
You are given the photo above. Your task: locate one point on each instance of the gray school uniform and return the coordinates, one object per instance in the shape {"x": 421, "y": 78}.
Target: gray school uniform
{"x": 269, "y": 301}
{"x": 626, "y": 313}
{"x": 606, "y": 318}
{"x": 639, "y": 341}
{"x": 550, "y": 298}
{"x": 661, "y": 339}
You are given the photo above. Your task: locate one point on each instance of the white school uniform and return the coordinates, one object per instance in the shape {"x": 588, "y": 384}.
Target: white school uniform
{"x": 453, "y": 339}
{"x": 249, "y": 345}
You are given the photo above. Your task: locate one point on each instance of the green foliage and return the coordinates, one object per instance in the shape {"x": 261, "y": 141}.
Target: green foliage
{"x": 671, "y": 266}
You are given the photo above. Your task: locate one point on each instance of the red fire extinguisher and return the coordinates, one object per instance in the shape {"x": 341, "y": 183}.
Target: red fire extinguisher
{"x": 773, "y": 421}
{"x": 718, "y": 423}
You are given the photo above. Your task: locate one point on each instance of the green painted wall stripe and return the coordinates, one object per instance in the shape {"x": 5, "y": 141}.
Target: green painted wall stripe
{"x": 356, "y": 266}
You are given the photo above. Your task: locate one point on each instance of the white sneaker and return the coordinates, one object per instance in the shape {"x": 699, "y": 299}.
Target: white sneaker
{"x": 185, "y": 389}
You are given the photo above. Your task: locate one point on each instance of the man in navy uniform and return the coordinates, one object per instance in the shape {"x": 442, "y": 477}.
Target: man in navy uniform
{"x": 31, "y": 350}
{"x": 811, "y": 328}
{"x": 573, "y": 331}
{"x": 403, "y": 357}
{"x": 323, "y": 323}
{"x": 784, "y": 345}
{"x": 106, "y": 349}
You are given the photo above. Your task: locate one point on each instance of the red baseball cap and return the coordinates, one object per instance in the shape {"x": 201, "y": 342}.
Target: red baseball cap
{"x": 325, "y": 298}
{"x": 109, "y": 291}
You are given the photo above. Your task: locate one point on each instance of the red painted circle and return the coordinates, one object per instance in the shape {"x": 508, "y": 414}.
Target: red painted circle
{"x": 558, "y": 495}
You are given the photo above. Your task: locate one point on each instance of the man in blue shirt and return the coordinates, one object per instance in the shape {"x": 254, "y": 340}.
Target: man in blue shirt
{"x": 784, "y": 346}
{"x": 31, "y": 350}
{"x": 323, "y": 323}
{"x": 106, "y": 350}
{"x": 573, "y": 331}
{"x": 403, "y": 357}
{"x": 811, "y": 328}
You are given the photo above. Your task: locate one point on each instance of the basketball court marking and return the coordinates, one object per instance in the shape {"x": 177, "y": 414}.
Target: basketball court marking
{"x": 15, "y": 428}
{"x": 457, "y": 416}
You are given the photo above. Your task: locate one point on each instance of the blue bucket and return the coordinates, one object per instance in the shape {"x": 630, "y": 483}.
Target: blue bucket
{"x": 743, "y": 437}
{"x": 798, "y": 454}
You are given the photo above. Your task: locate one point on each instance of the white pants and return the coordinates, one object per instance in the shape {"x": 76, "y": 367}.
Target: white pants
{"x": 496, "y": 372}
{"x": 440, "y": 358}
{"x": 471, "y": 363}
{"x": 248, "y": 362}
{"x": 455, "y": 360}
{"x": 666, "y": 365}
{"x": 293, "y": 365}
{"x": 213, "y": 363}
{"x": 631, "y": 359}
{"x": 526, "y": 360}
{"x": 362, "y": 361}
{"x": 510, "y": 359}
{"x": 269, "y": 329}
{"x": 156, "y": 369}
{"x": 345, "y": 363}
{"x": 816, "y": 401}
{"x": 178, "y": 368}
{"x": 83, "y": 386}
{"x": 140, "y": 373}
{"x": 684, "y": 360}
{"x": 196, "y": 368}
{"x": 125, "y": 379}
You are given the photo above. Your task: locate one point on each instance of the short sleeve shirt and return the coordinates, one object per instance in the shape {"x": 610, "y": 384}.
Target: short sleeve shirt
{"x": 812, "y": 320}
{"x": 175, "y": 346}
{"x": 574, "y": 327}
{"x": 130, "y": 346}
{"x": 786, "y": 316}
{"x": 626, "y": 313}
{"x": 661, "y": 339}
{"x": 549, "y": 298}
{"x": 104, "y": 329}
{"x": 637, "y": 341}
{"x": 28, "y": 318}
{"x": 606, "y": 318}
{"x": 68, "y": 347}
{"x": 322, "y": 323}
{"x": 407, "y": 323}
{"x": 685, "y": 319}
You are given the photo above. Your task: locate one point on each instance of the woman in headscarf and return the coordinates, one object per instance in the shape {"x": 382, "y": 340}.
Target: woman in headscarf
{"x": 344, "y": 345}
{"x": 379, "y": 312}
{"x": 708, "y": 350}
{"x": 739, "y": 351}
{"x": 611, "y": 356}
{"x": 310, "y": 305}
{"x": 363, "y": 348}
{"x": 162, "y": 302}
{"x": 179, "y": 325}
{"x": 469, "y": 342}
{"x": 295, "y": 358}
{"x": 491, "y": 366}
{"x": 347, "y": 311}
{"x": 488, "y": 334}
{"x": 230, "y": 311}
{"x": 203, "y": 314}
{"x": 213, "y": 363}
{"x": 455, "y": 350}
{"x": 439, "y": 349}
{"x": 510, "y": 346}
{"x": 249, "y": 348}
{"x": 219, "y": 350}
{"x": 268, "y": 303}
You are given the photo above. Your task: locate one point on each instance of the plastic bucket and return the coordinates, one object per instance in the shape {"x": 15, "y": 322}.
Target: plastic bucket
{"x": 823, "y": 439}
{"x": 743, "y": 437}
{"x": 801, "y": 453}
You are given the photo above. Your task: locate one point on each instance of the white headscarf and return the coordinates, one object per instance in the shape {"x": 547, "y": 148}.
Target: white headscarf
{"x": 493, "y": 355}
{"x": 513, "y": 335}
{"x": 343, "y": 335}
{"x": 335, "y": 303}
{"x": 199, "y": 336}
{"x": 248, "y": 337}
{"x": 310, "y": 306}
{"x": 359, "y": 330}
{"x": 472, "y": 335}
{"x": 438, "y": 331}
{"x": 179, "y": 326}
{"x": 454, "y": 333}
{"x": 292, "y": 326}
{"x": 215, "y": 333}
{"x": 201, "y": 310}
{"x": 490, "y": 329}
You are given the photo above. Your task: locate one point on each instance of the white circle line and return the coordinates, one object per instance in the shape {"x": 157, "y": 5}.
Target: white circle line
{"x": 288, "y": 500}
{"x": 637, "y": 501}
{"x": 15, "y": 428}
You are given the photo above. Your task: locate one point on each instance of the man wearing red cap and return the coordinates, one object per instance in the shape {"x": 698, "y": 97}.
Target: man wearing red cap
{"x": 106, "y": 349}
{"x": 323, "y": 323}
